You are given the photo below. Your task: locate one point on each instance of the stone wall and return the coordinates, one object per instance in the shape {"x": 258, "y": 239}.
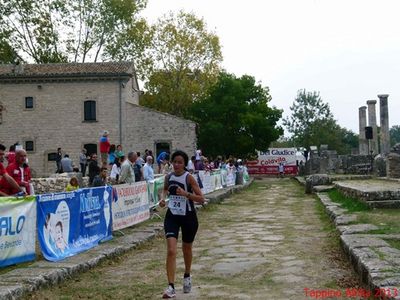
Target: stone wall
{"x": 393, "y": 162}
{"x": 57, "y": 119}
{"x": 148, "y": 127}
{"x": 393, "y": 165}
{"x": 57, "y": 183}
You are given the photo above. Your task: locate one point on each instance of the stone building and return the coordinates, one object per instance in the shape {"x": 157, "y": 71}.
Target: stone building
{"x": 46, "y": 106}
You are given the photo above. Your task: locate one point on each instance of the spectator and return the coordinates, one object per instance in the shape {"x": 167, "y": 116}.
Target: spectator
{"x": 83, "y": 162}
{"x": 139, "y": 159}
{"x": 101, "y": 179}
{"x": 72, "y": 185}
{"x": 148, "y": 172}
{"x": 127, "y": 169}
{"x": 167, "y": 167}
{"x": 5, "y": 178}
{"x": 116, "y": 170}
{"x": 197, "y": 162}
{"x": 162, "y": 159}
{"x": 138, "y": 169}
{"x": 231, "y": 167}
{"x": 93, "y": 168}
{"x": 11, "y": 155}
{"x": 111, "y": 155}
{"x": 104, "y": 147}
{"x": 190, "y": 166}
{"x": 58, "y": 160}
{"x": 217, "y": 162}
{"x": 281, "y": 170}
{"x": 66, "y": 164}
{"x": 119, "y": 153}
{"x": 21, "y": 173}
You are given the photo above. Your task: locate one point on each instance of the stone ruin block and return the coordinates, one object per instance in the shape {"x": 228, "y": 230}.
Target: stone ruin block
{"x": 393, "y": 165}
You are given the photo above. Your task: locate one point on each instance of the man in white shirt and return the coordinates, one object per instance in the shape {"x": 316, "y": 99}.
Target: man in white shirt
{"x": 148, "y": 172}
{"x": 127, "y": 172}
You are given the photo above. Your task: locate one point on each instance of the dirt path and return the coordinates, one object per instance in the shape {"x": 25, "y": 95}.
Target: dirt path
{"x": 268, "y": 242}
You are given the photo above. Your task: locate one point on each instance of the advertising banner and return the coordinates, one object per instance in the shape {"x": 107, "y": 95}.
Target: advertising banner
{"x": 268, "y": 161}
{"x": 216, "y": 175}
{"x": 69, "y": 223}
{"x": 130, "y": 205}
{"x": 17, "y": 230}
{"x": 155, "y": 189}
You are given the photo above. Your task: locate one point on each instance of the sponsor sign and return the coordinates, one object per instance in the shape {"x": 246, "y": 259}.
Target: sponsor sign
{"x": 268, "y": 161}
{"x": 70, "y": 223}
{"x": 130, "y": 204}
{"x": 17, "y": 230}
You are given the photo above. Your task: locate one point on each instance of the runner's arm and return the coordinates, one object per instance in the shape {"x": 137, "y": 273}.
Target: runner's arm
{"x": 197, "y": 195}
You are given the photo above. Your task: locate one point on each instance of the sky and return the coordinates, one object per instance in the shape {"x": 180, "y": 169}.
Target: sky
{"x": 348, "y": 50}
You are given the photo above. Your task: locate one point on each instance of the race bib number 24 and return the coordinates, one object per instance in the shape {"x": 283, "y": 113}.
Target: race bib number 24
{"x": 177, "y": 205}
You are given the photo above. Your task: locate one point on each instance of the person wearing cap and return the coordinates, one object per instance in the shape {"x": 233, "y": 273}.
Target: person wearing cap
{"x": 104, "y": 148}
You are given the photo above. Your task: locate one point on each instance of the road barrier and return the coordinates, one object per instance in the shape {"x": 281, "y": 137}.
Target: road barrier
{"x": 68, "y": 223}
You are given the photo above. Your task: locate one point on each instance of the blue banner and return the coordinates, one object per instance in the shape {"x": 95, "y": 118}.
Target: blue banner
{"x": 69, "y": 223}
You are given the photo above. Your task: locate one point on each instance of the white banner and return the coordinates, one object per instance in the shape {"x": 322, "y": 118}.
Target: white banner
{"x": 130, "y": 204}
{"x": 17, "y": 230}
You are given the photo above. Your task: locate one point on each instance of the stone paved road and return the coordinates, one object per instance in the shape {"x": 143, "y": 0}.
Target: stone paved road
{"x": 268, "y": 242}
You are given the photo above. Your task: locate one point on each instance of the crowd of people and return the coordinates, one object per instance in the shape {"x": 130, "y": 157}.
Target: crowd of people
{"x": 114, "y": 167}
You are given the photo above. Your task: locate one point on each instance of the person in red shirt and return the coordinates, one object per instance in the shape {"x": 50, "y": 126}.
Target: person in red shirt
{"x": 20, "y": 171}
{"x": 11, "y": 154}
{"x": 5, "y": 179}
{"x": 104, "y": 148}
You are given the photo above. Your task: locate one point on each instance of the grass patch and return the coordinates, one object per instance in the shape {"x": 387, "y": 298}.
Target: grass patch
{"x": 393, "y": 243}
{"x": 327, "y": 225}
{"x": 380, "y": 254}
{"x": 387, "y": 220}
{"x": 351, "y": 204}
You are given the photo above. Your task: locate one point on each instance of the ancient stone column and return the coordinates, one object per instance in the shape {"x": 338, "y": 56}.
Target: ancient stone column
{"x": 384, "y": 132}
{"x": 373, "y": 144}
{"x": 362, "y": 122}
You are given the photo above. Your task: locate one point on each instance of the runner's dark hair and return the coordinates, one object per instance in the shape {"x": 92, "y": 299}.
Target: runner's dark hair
{"x": 180, "y": 153}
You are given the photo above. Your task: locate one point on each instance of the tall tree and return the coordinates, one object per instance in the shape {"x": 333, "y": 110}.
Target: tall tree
{"x": 394, "y": 135}
{"x": 307, "y": 109}
{"x": 235, "y": 118}
{"x": 186, "y": 58}
{"x": 312, "y": 123}
{"x": 46, "y": 31}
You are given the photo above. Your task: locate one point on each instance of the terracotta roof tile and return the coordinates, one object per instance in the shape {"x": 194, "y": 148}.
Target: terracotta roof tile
{"x": 68, "y": 69}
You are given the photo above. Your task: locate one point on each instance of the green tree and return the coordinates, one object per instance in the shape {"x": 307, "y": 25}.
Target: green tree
{"x": 394, "y": 132}
{"x": 312, "y": 123}
{"x": 47, "y": 31}
{"x": 308, "y": 112}
{"x": 235, "y": 117}
{"x": 7, "y": 52}
{"x": 186, "y": 58}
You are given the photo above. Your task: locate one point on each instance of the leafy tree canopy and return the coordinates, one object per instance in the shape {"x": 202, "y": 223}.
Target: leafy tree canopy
{"x": 186, "y": 58}
{"x": 235, "y": 117}
{"x": 312, "y": 123}
{"x": 394, "y": 135}
{"x": 51, "y": 31}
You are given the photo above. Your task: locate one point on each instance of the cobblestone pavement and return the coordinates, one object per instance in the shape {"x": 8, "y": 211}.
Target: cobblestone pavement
{"x": 267, "y": 242}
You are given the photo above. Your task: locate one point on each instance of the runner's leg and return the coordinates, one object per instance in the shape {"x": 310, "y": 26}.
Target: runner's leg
{"x": 171, "y": 259}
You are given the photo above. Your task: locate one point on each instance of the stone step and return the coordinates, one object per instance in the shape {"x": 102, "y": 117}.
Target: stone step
{"x": 392, "y": 203}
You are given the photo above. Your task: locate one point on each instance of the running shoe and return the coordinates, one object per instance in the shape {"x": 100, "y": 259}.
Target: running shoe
{"x": 187, "y": 284}
{"x": 169, "y": 293}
